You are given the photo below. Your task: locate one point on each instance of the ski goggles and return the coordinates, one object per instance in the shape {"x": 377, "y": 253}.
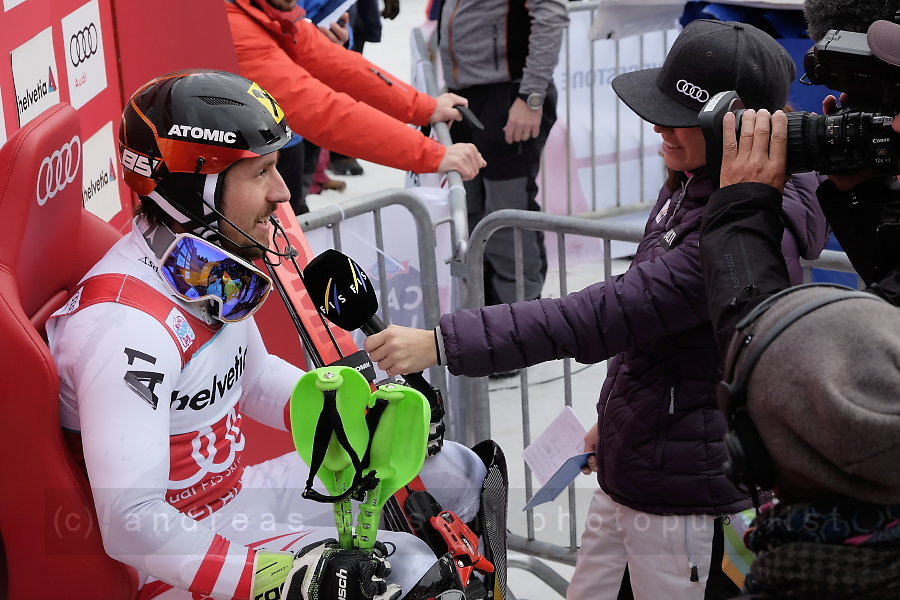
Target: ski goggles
{"x": 198, "y": 270}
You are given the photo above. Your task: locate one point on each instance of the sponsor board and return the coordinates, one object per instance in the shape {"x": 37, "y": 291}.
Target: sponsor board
{"x": 99, "y": 184}
{"x": 35, "y": 76}
{"x": 84, "y": 56}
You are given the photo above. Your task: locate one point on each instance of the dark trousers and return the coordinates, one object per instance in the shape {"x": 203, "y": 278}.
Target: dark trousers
{"x": 508, "y": 181}
{"x": 290, "y": 166}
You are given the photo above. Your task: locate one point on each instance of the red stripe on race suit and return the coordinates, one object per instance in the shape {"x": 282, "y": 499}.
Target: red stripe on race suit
{"x": 245, "y": 583}
{"x": 213, "y": 561}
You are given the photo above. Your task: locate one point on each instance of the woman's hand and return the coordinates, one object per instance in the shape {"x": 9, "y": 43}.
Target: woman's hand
{"x": 591, "y": 439}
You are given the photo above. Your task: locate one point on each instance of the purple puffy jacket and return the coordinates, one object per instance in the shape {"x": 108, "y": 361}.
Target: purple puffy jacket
{"x": 661, "y": 448}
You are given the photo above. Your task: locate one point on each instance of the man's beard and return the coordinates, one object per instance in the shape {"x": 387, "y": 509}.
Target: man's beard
{"x": 245, "y": 248}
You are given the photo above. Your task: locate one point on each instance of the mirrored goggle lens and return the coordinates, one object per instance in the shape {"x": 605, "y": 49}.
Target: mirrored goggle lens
{"x": 198, "y": 270}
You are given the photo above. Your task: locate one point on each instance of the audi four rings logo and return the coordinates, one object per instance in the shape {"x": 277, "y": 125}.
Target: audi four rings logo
{"x": 692, "y": 91}
{"x": 58, "y": 170}
{"x": 83, "y": 45}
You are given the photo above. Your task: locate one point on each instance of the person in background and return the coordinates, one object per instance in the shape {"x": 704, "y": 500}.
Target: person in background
{"x": 658, "y": 440}
{"x": 339, "y": 100}
{"x": 365, "y": 20}
{"x": 500, "y": 56}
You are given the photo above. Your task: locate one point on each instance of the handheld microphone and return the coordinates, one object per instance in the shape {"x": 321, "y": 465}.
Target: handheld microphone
{"x": 344, "y": 294}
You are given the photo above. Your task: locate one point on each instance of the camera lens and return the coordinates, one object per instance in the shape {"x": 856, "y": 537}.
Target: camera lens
{"x": 805, "y": 129}
{"x": 844, "y": 141}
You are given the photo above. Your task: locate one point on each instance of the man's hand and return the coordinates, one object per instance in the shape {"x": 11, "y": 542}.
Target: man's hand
{"x": 444, "y": 110}
{"x": 323, "y": 570}
{"x": 465, "y": 159}
{"x": 339, "y": 34}
{"x": 761, "y": 154}
{"x": 400, "y": 350}
{"x": 523, "y": 123}
{"x": 591, "y": 439}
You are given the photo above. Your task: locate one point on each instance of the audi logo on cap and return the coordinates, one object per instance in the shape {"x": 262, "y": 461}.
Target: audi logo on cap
{"x": 692, "y": 91}
{"x": 58, "y": 170}
{"x": 83, "y": 44}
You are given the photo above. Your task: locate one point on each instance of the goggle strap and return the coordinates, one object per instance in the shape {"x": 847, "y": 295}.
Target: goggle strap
{"x": 169, "y": 208}
{"x": 210, "y": 183}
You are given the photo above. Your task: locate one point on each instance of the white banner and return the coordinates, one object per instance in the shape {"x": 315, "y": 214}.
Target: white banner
{"x": 100, "y": 188}
{"x": 611, "y": 154}
{"x": 85, "y": 59}
{"x": 35, "y": 76}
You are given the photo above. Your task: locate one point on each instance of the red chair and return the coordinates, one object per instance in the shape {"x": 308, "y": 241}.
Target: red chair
{"x": 49, "y": 531}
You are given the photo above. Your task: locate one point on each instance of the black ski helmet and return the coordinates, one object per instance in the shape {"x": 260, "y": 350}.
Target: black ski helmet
{"x": 181, "y": 130}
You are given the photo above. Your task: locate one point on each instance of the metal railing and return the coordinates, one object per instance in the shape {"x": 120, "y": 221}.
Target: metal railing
{"x": 456, "y": 195}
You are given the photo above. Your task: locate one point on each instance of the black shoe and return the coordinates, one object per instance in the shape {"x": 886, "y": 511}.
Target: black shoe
{"x": 346, "y": 166}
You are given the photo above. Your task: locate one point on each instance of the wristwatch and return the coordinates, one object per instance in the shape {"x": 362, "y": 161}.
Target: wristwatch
{"x": 534, "y": 100}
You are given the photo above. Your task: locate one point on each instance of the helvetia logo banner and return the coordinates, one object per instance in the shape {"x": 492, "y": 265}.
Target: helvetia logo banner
{"x": 35, "y": 76}
{"x": 99, "y": 187}
{"x": 85, "y": 59}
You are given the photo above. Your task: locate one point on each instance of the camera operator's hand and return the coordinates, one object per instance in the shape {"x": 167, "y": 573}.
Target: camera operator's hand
{"x": 761, "y": 154}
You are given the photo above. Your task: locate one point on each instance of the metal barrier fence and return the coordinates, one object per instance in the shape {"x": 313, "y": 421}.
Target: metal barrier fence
{"x": 476, "y": 399}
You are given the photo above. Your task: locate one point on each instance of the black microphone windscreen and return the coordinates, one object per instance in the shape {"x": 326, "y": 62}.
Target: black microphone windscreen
{"x": 846, "y": 15}
{"x": 340, "y": 289}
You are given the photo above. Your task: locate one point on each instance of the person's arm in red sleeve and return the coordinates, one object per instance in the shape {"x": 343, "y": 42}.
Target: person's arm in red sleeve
{"x": 349, "y": 72}
{"x": 327, "y": 117}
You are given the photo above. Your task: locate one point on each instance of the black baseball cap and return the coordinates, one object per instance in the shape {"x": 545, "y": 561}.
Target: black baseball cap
{"x": 884, "y": 41}
{"x": 709, "y": 57}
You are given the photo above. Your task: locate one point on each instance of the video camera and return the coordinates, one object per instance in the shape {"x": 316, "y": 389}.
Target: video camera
{"x": 845, "y": 140}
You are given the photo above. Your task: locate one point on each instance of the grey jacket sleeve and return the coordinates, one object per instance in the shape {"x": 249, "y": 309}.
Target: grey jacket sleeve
{"x": 549, "y": 18}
